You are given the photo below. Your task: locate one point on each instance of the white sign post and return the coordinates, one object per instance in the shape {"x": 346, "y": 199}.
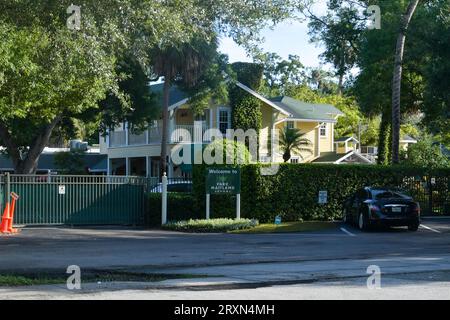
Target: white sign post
{"x": 208, "y": 197}
{"x": 164, "y": 200}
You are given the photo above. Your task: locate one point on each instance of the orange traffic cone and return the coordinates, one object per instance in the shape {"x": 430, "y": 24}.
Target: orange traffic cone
{"x": 5, "y": 220}
{"x": 14, "y": 197}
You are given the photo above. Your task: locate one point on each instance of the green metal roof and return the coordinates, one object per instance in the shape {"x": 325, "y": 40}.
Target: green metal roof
{"x": 310, "y": 111}
{"x": 175, "y": 94}
{"x": 94, "y": 162}
{"x": 330, "y": 157}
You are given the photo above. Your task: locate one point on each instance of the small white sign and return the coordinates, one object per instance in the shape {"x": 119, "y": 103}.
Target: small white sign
{"x": 323, "y": 197}
{"x": 433, "y": 180}
{"x": 62, "y": 189}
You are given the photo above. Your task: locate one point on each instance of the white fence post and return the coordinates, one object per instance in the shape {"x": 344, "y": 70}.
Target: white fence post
{"x": 207, "y": 205}
{"x": 164, "y": 200}
{"x": 238, "y": 206}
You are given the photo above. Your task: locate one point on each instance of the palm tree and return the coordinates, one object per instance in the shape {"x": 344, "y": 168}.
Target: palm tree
{"x": 292, "y": 140}
{"x": 397, "y": 79}
{"x": 183, "y": 64}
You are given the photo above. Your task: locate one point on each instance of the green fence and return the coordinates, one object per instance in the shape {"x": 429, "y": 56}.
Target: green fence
{"x": 77, "y": 200}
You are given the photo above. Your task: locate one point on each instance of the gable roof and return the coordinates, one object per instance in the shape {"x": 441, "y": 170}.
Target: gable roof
{"x": 406, "y": 138}
{"x": 333, "y": 157}
{"x": 302, "y": 110}
{"x": 345, "y": 139}
{"x": 177, "y": 97}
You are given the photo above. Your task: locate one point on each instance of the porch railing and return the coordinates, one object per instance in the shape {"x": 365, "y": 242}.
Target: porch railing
{"x": 179, "y": 133}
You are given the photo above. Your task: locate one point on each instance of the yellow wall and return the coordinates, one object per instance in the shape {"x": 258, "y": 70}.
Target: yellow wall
{"x": 326, "y": 143}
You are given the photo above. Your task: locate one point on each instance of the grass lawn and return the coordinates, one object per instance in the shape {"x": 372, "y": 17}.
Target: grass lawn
{"x": 290, "y": 227}
{"x": 13, "y": 280}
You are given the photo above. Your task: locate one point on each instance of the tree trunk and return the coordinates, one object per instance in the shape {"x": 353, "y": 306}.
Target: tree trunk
{"x": 165, "y": 122}
{"x": 29, "y": 164}
{"x": 383, "y": 138}
{"x": 341, "y": 83}
{"x": 397, "y": 79}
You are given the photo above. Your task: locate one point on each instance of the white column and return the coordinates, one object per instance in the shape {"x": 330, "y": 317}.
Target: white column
{"x": 126, "y": 133}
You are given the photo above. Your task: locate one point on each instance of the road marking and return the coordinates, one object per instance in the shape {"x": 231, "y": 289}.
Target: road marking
{"x": 428, "y": 228}
{"x": 348, "y": 232}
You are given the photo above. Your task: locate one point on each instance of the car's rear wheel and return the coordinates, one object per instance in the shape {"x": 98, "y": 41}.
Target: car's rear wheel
{"x": 413, "y": 227}
{"x": 362, "y": 224}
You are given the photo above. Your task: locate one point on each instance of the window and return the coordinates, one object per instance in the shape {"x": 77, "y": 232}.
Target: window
{"x": 294, "y": 160}
{"x": 224, "y": 120}
{"x": 290, "y": 124}
{"x": 323, "y": 130}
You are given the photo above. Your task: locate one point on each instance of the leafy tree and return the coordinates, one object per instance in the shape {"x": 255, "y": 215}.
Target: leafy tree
{"x": 426, "y": 154}
{"x": 292, "y": 140}
{"x": 279, "y": 72}
{"x": 373, "y": 85}
{"x": 339, "y": 31}
{"x": 48, "y": 73}
{"x": 70, "y": 162}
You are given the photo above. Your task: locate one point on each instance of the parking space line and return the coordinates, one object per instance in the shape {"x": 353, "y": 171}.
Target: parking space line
{"x": 348, "y": 232}
{"x": 428, "y": 228}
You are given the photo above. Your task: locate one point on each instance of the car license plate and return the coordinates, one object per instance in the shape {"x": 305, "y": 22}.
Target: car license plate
{"x": 397, "y": 209}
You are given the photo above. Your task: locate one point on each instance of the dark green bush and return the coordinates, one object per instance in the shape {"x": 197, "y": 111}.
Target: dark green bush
{"x": 180, "y": 206}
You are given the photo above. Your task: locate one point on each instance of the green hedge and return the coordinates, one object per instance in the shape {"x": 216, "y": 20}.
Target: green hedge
{"x": 293, "y": 191}
{"x": 180, "y": 206}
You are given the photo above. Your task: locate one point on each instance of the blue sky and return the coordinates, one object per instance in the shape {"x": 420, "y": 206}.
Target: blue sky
{"x": 289, "y": 37}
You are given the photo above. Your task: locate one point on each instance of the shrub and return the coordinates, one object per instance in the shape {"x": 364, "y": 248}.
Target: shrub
{"x": 180, "y": 206}
{"x": 212, "y": 225}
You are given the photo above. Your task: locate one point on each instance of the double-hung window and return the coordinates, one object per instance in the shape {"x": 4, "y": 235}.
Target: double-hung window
{"x": 290, "y": 125}
{"x": 224, "y": 119}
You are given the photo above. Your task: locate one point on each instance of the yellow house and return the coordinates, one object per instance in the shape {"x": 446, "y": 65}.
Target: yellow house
{"x": 139, "y": 153}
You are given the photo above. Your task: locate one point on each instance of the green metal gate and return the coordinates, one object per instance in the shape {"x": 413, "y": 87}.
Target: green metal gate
{"x": 77, "y": 200}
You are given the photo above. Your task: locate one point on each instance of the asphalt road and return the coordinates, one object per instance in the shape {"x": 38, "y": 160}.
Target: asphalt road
{"x": 305, "y": 264}
{"x": 51, "y": 248}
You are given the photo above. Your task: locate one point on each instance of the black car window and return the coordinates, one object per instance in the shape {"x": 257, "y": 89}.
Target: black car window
{"x": 387, "y": 194}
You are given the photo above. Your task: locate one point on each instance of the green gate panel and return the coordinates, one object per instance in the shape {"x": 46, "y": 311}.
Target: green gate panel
{"x": 79, "y": 200}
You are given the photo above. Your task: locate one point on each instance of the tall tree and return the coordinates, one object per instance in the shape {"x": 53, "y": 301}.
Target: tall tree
{"x": 397, "y": 78}
{"x": 184, "y": 65}
{"x": 339, "y": 32}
